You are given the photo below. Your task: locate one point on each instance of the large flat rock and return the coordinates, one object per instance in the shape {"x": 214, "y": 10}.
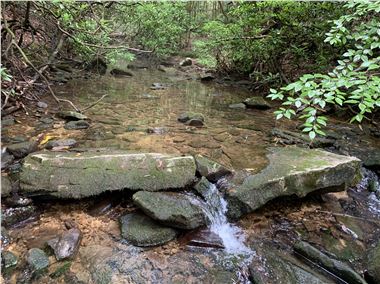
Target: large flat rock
{"x": 291, "y": 171}
{"x": 74, "y": 175}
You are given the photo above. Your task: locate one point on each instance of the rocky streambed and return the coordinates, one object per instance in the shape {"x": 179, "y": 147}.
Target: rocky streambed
{"x": 177, "y": 186}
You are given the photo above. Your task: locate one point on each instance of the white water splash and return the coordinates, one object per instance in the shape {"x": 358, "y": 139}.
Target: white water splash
{"x": 231, "y": 235}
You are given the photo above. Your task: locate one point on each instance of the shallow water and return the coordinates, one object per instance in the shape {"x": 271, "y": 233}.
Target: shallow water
{"x": 134, "y": 117}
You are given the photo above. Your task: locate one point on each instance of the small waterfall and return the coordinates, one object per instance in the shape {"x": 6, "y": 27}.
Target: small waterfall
{"x": 216, "y": 209}
{"x": 371, "y": 183}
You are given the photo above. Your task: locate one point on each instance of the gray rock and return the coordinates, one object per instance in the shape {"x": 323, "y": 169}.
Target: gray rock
{"x": 206, "y": 77}
{"x": 20, "y": 150}
{"x": 8, "y": 259}
{"x": 37, "y": 259}
{"x": 338, "y": 268}
{"x": 61, "y": 143}
{"x": 13, "y": 215}
{"x": 42, "y": 104}
{"x": 237, "y": 106}
{"x": 173, "y": 209}
{"x": 71, "y": 115}
{"x": 202, "y": 187}
{"x": 66, "y": 246}
{"x": 76, "y": 125}
{"x": 140, "y": 230}
{"x": 67, "y": 175}
{"x": 257, "y": 103}
{"x": 195, "y": 122}
{"x": 186, "y": 62}
{"x": 121, "y": 73}
{"x": 47, "y": 120}
{"x": 158, "y": 86}
{"x": 213, "y": 171}
{"x": 187, "y": 116}
{"x": 6, "y": 186}
{"x": 292, "y": 171}
{"x": 373, "y": 264}
{"x": 6, "y": 159}
{"x": 272, "y": 266}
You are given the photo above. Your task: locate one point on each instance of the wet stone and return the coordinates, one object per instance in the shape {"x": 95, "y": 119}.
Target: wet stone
{"x": 158, "y": 86}
{"x": 8, "y": 259}
{"x": 71, "y": 115}
{"x": 204, "y": 238}
{"x": 213, "y": 171}
{"x": 47, "y": 120}
{"x": 6, "y": 186}
{"x": 37, "y": 259}
{"x": 20, "y": 150}
{"x": 66, "y": 246}
{"x": 186, "y": 116}
{"x": 173, "y": 209}
{"x": 61, "y": 143}
{"x": 5, "y": 238}
{"x": 195, "y": 122}
{"x": 140, "y": 230}
{"x": 373, "y": 264}
{"x": 237, "y": 106}
{"x": 42, "y": 104}
{"x": 14, "y": 215}
{"x": 121, "y": 73}
{"x": 76, "y": 125}
{"x": 257, "y": 103}
{"x": 338, "y": 268}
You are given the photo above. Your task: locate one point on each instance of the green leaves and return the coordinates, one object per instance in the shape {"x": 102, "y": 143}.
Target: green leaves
{"x": 352, "y": 82}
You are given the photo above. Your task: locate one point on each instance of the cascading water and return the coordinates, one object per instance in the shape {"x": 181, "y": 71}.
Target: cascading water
{"x": 216, "y": 209}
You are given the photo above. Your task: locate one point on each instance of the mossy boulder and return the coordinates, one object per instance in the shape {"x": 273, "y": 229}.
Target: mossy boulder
{"x": 292, "y": 171}
{"x": 37, "y": 259}
{"x": 140, "y": 230}
{"x": 374, "y": 264}
{"x": 20, "y": 150}
{"x": 173, "y": 209}
{"x": 72, "y": 175}
{"x": 257, "y": 103}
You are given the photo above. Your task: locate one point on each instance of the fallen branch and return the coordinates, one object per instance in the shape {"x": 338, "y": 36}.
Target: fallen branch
{"x": 94, "y": 104}
{"x": 100, "y": 46}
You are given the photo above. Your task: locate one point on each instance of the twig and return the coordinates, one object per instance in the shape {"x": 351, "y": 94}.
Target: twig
{"x": 70, "y": 103}
{"x": 100, "y": 46}
{"x": 94, "y": 104}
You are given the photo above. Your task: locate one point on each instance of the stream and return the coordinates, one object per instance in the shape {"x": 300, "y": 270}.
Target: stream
{"x": 136, "y": 118}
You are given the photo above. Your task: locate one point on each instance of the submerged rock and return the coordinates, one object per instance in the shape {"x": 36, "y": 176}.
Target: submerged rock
{"x": 237, "y": 106}
{"x": 71, "y": 115}
{"x": 186, "y": 116}
{"x": 173, "y": 209}
{"x": 140, "y": 230}
{"x": 78, "y": 124}
{"x": 272, "y": 266}
{"x": 203, "y": 238}
{"x": 69, "y": 175}
{"x": 6, "y": 186}
{"x": 121, "y": 73}
{"x": 37, "y": 259}
{"x": 373, "y": 264}
{"x": 15, "y": 215}
{"x": 8, "y": 259}
{"x": 257, "y": 103}
{"x": 66, "y": 246}
{"x": 209, "y": 169}
{"x": 338, "y": 268}
{"x": 61, "y": 143}
{"x": 292, "y": 171}
{"x": 6, "y": 159}
{"x": 20, "y": 150}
